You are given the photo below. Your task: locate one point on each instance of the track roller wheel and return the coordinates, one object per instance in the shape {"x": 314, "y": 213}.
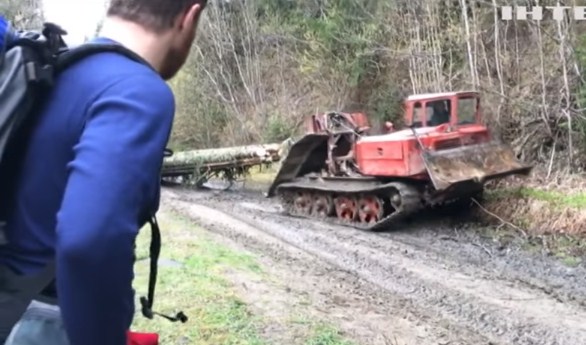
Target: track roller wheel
{"x": 302, "y": 203}
{"x": 396, "y": 200}
{"x": 346, "y": 208}
{"x": 370, "y": 209}
{"x": 323, "y": 206}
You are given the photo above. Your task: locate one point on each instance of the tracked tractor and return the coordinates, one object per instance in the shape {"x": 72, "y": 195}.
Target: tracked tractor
{"x": 338, "y": 172}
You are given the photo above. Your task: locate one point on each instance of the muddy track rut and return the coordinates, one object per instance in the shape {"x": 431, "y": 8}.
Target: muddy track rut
{"x": 460, "y": 288}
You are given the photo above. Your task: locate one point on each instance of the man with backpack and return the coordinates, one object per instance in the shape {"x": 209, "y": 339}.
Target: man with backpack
{"x": 82, "y": 139}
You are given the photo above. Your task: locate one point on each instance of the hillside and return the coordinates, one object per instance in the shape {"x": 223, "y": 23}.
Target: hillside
{"x": 259, "y": 67}
{"x": 271, "y": 62}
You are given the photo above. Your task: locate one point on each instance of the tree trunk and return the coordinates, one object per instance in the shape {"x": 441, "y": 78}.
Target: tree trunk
{"x": 201, "y": 161}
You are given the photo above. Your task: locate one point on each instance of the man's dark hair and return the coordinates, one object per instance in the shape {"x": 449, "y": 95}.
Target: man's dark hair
{"x": 155, "y": 15}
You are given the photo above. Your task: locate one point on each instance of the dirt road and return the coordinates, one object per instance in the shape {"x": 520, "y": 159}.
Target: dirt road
{"x": 429, "y": 285}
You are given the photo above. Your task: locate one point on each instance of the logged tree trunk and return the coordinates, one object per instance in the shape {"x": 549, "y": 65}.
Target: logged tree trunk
{"x": 224, "y": 154}
{"x": 208, "y": 160}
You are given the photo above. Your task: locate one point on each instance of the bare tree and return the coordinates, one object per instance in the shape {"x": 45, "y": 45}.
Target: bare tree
{"x": 23, "y": 14}
{"x": 260, "y": 66}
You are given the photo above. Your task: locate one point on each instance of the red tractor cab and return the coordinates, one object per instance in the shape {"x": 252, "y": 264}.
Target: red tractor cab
{"x": 435, "y": 109}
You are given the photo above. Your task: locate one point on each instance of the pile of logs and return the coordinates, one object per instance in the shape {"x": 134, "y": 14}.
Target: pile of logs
{"x": 227, "y": 162}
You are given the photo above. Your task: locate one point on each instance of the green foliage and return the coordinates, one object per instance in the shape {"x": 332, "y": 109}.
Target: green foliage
{"x": 338, "y": 36}
{"x": 199, "y": 118}
{"x": 277, "y": 129}
{"x": 386, "y": 105}
{"x": 340, "y": 41}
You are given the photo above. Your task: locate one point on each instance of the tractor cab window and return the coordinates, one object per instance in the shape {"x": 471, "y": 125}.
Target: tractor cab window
{"x": 440, "y": 112}
{"x": 467, "y": 111}
{"x": 417, "y": 115}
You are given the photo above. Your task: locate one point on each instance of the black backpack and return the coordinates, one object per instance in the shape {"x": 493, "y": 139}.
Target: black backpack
{"x": 29, "y": 63}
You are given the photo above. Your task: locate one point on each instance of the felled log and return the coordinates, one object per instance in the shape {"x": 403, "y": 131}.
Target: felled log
{"x": 224, "y": 154}
{"x": 209, "y": 160}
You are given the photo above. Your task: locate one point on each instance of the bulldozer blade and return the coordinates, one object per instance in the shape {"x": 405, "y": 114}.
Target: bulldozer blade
{"x": 306, "y": 155}
{"x": 474, "y": 163}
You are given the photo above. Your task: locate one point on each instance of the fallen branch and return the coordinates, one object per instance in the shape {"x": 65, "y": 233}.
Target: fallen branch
{"x": 500, "y": 218}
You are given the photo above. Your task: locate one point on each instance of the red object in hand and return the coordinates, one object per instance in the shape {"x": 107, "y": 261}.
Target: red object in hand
{"x": 135, "y": 338}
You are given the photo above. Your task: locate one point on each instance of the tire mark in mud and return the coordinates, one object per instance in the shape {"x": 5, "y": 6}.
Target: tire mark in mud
{"x": 562, "y": 283}
{"x": 406, "y": 327}
{"x": 466, "y": 251}
{"x": 484, "y": 305}
{"x": 497, "y": 309}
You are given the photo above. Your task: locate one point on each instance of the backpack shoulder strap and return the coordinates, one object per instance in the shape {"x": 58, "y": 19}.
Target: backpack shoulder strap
{"x": 71, "y": 56}
{"x": 154, "y": 251}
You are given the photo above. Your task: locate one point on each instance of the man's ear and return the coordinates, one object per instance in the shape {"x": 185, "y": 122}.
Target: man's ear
{"x": 190, "y": 17}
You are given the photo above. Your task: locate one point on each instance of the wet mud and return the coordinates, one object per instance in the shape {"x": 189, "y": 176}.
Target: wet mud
{"x": 428, "y": 284}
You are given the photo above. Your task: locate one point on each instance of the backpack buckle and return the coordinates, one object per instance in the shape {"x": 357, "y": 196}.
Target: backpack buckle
{"x": 39, "y": 74}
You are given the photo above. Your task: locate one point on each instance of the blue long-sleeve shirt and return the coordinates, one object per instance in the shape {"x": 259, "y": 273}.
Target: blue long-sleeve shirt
{"x": 89, "y": 179}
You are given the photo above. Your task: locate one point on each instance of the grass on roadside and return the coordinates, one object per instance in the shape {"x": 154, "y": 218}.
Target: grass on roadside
{"x": 539, "y": 211}
{"x": 556, "y": 199}
{"x": 553, "y": 222}
{"x": 263, "y": 174}
{"x": 326, "y": 335}
{"x": 192, "y": 279}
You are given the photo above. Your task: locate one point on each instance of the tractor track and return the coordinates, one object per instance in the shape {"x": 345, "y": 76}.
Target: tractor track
{"x": 465, "y": 289}
{"x": 410, "y": 205}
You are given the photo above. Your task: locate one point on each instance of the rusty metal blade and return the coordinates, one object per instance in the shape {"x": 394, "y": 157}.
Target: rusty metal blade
{"x": 477, "y": 163}
{"x": 308, "y": 154}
